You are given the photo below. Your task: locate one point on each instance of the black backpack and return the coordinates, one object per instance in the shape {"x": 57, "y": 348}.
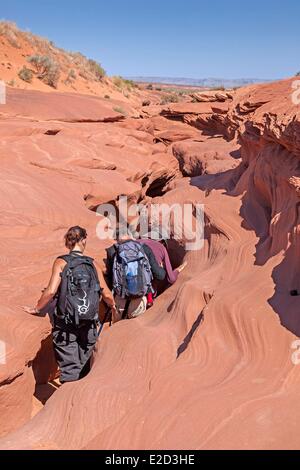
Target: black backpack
{"x": 80, "y": 291}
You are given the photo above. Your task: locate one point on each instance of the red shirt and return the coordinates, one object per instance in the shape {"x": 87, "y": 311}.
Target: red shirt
{"x": 161, "y": 256}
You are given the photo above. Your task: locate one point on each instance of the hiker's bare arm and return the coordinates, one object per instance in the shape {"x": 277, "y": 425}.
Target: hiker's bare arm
{"x": 53, "y": 285}
{"x": 51, "y": 289}
{"x": 106, "y": 292}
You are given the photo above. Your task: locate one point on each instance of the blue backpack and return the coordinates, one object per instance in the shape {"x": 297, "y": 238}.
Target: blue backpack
{"x": 132, "y": 274}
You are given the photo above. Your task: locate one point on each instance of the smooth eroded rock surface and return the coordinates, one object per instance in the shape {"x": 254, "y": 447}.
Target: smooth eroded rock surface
{"x": 212, "y": 365}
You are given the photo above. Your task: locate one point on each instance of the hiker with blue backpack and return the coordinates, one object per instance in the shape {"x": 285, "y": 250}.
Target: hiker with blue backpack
{"x": 131, "y": 268}
{"x": 78, "y": 285}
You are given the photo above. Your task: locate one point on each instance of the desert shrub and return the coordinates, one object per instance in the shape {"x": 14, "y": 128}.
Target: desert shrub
{"x": 158, "y": 88}
{"x": 51, "y": 61}
{"x": 96, "y": 69}
{"x": 120, "y": 110}
{"x": 149, "y": 87}
{"x": 129, "y": 83}
{"x": 12, "y": 39}
{"x": 83, "y": 74}
{"x": 297, "y": 74}
{"x": 39, "y": 43}
{"x": 9, "y": 30}
{"x": 180, "y": 91}
{"x": 72, "y": 74}
{"x": 41, "y": 64}
{"x": 78, "y": 59}
{"x": 70, "y": 77}
{"x": 169, "y": 99}
{"x": 107, "y": 97}
{"x": 26, "y": 74}
{"x": 31, "y": 38}
{"x": 123, "y": 84}
{"x": 47, "y": 69}
{"x": 117, "y": 81}
{"x": 64, "y": 69}
{"x": 52, "y": 76}
{"x": 11, "y": 83}
{"x": 217, "y": 88}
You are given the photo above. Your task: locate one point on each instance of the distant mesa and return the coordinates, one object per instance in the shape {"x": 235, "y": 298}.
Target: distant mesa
{"x": 201, "y": 82}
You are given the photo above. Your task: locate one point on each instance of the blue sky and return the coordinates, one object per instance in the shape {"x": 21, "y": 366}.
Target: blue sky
{"x": 173, "y": 38}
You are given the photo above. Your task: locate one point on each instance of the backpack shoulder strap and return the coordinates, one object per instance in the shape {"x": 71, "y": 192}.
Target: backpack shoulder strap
{"x": 88, "y": 259}
{"x": 141, "y": 246}
{"x": 73, "y": 261}
{"x": 140, "y": 249}
{"x": 71, "y": 257}
{"x": 116, "y": 248}
{"x": 66, "y": 258}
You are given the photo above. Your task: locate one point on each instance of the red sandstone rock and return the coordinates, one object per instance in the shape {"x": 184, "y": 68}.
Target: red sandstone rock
{"x": 172, "y": 378}
{"x": 60, "y": 107}
{"x": 180, "y": 109}
{"x": 210, "y": 157}
{"x": 212, "y": 96}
